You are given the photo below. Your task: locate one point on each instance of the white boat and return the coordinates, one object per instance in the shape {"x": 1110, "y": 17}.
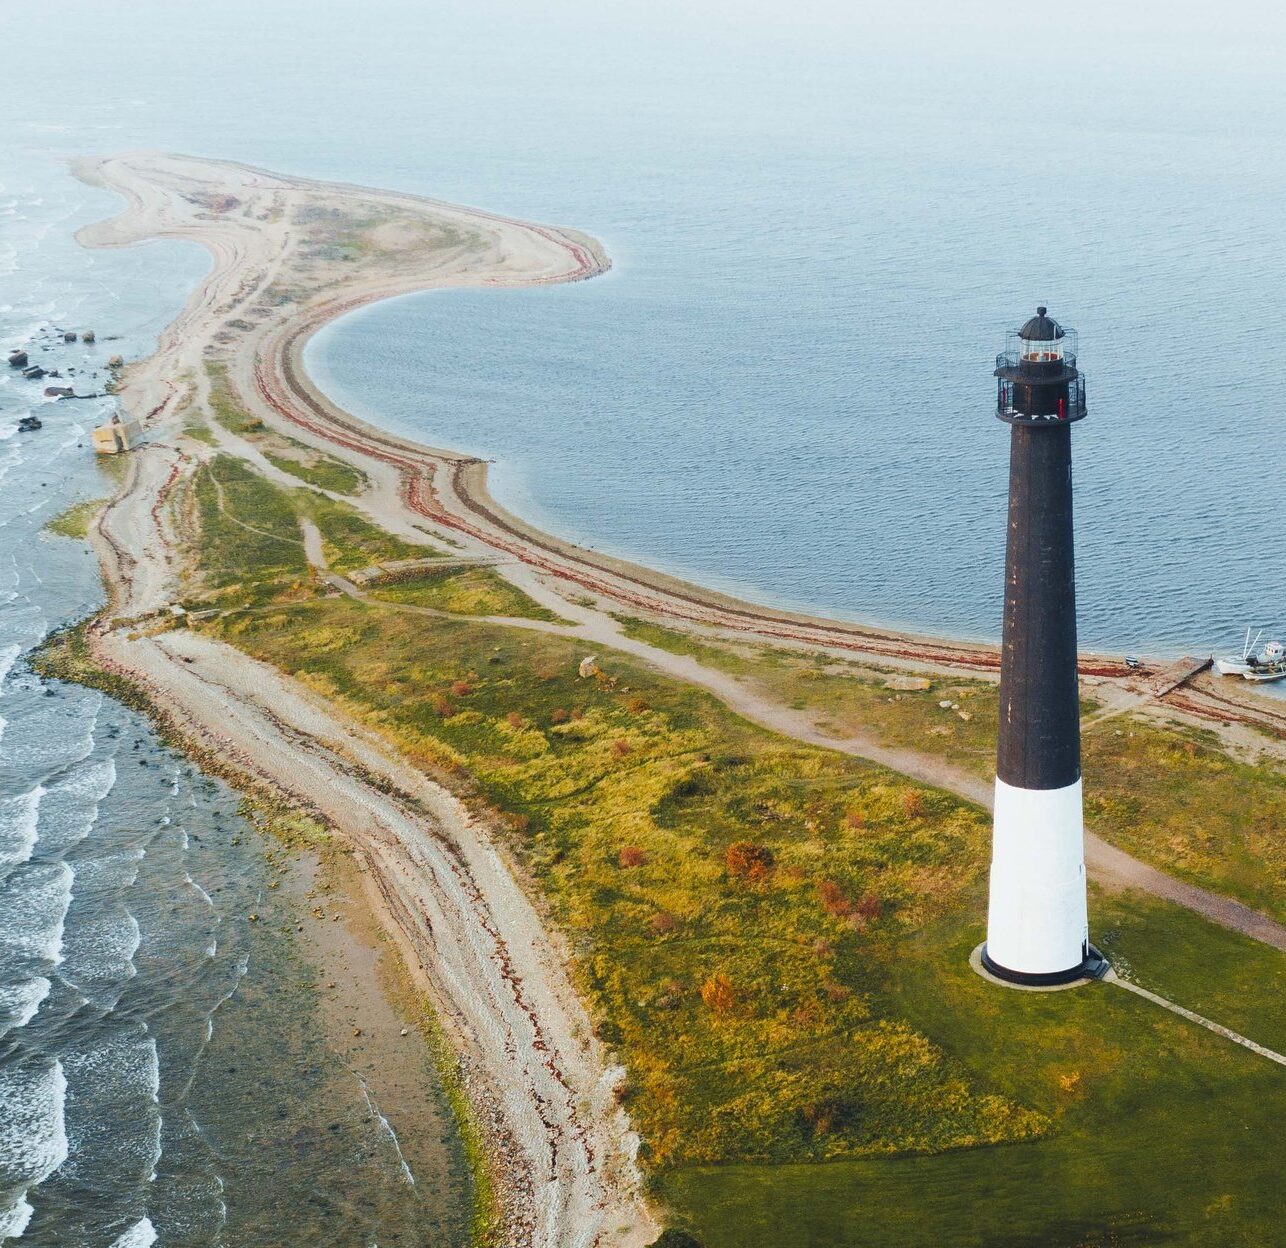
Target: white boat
{"x": 1266, "y": 662}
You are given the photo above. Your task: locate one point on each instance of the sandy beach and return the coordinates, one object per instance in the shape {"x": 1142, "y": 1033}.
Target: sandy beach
{"x": 470, "y": 932}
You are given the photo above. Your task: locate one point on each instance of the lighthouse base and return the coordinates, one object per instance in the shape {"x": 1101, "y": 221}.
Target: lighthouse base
{"x": 1094, "y": 966}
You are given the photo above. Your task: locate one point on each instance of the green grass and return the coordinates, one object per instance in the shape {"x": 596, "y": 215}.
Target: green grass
{"x": 225, "y": 405}
{"x": 464, "y": 591}
{"x": 349, "y": 540}
{"x": 75, "y": 521}
{"x": 324, "y": 471}
{"x": 1163, "y": 1133}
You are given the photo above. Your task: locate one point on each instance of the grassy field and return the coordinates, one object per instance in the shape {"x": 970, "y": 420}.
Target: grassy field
{"x": 464, "y": 591}
{"x": 1162, "y": 1133}
{"x": 774, "y": 938}
{"x": 1164, "y": 792}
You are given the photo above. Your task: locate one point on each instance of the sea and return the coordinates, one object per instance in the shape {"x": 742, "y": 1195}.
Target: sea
{"x": 822, "y": 219}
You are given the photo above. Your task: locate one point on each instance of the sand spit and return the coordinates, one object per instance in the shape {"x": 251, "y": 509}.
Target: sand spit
{"x": 284, "y": 264}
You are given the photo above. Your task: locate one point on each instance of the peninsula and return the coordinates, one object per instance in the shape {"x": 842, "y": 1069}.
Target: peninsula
{"x": 669, "y": 866}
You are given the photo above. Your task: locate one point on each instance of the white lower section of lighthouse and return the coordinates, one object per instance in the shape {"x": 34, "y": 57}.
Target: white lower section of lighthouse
{"x": 1037, "y": 923}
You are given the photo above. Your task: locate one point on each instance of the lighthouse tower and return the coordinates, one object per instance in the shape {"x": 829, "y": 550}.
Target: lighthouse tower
{"x": 1037, "y": 928}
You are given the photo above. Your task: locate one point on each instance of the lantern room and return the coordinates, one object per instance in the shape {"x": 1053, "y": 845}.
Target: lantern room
{"x": 1036, "y": 373}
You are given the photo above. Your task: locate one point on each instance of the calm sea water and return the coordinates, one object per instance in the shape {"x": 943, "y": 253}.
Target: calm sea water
{"x": 821, "y": 223}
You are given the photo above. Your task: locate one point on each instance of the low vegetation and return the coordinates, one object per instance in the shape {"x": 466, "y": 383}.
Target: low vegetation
{"x": 463, "y": 591}
{"x": 75, "y": 521}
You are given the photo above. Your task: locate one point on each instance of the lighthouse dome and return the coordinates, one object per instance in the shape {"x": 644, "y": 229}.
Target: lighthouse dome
{"x": 1041, "y": 328}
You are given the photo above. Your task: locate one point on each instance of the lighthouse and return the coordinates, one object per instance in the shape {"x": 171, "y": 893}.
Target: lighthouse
{"x": 1037, "y": 925}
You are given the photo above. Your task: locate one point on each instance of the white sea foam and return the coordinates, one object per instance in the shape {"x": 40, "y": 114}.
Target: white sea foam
{"x": 33, "y": 911}
{"x": 8, "y": 654}
{"x": 33, "y": 1135}
{"x": 141, "y": 1235}
{"x": 19, "y": 1002}
{"x": 19, "y": 817}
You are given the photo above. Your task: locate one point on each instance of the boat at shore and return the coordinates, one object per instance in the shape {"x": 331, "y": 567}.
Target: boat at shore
{"x": 1259, "y": 663}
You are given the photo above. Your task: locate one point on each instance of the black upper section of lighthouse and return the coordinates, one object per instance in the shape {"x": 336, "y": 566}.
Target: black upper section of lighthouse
{"x": 1041, "y": 394}
{"x": 1036, "y": 377}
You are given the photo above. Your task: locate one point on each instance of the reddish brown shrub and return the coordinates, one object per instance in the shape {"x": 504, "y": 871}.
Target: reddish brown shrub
{"x": 836, "y": 991}
{"x": 833, "y": 898}
{"x": 520, "y": 823}
{"x": 661, "y": 922}
{"x": 855, "y": 819}
{"x": 621, "y": 747}
{"x": 746, "y": 861}
{"x": 868, "y": 907}
{"x": 823, "y": 948}
{"x": 443, "y": 707}
{"x": 631, "y": 856}
{"x": 718, "y": 993}
{"x": 514, "y": 719}
{"x": 559, "y": 716}
{"x": 912, "y": 803}
{"x": 461, "y": 689}
{"x": 637, "y": 705}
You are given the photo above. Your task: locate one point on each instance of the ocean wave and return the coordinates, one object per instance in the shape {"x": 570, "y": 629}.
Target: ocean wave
{"x": 19, "y": 1002}
{"x": 19, "y": 817}
{"x": 140, "y": 1235}
{"x": 70, "y": 807}
{"x": 98, "y": 956}
{"x": 33, "y": 1136}
{"x": 8, "y": 654}
{"x": 34, "y": 902}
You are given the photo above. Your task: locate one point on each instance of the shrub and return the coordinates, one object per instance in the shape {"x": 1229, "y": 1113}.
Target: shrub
{"x": 833, "y": 898}
{"x": 718, "y": 993}
{"x": 621, "y": 747}
{"x": 559, "y": 716}
{"x": 661, "y": 922}
{"x": 855, "y": 819}
{"x": 513, "y": 719}
{"x": 671, "y": 1238}
{"x": 461, "y": 689}
{"x": 637, "y": 705}
{"x": 749, "y": 862}
{"x": 631, "y": 856}
{"x": 912, "y": 803}
{"x": 443, "y": 707}
{"x": 868, "y": 907}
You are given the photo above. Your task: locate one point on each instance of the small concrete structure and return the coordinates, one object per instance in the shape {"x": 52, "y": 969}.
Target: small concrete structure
{"x": 116, "y": 436}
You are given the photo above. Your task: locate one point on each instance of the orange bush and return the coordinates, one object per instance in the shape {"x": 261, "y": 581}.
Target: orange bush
{"x": 443, "y": 707}
{"x": 559, "y": 716}
{"x": 461, "y": 689}
{"x": 718, "y": 993}
{"x": 746, "y": 861}
{"x": 637, "y": 705}
{"x": 514, "y": 719}
{"x": 631, "y": 856}
{"x": 912, "y": 803}
{"x": 833, "y": 898}
{"x": 621, "y": 747}
{"x": 855, "y": 819}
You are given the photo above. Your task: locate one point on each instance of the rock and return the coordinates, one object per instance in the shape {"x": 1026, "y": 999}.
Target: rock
{"x": 69, "y": 336}
{"x": 87, "y": 336}
{"x": 17, "y": 359}
{"x": 588, "y": 666}
{"x": 965, "y": 715}
{"x": 59, "y": 392}
{"x": 946, "y": 704}
{"x": 117, "y": 361}
{"x": 34, "y": 373}
{"x": 908, "y": 684}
